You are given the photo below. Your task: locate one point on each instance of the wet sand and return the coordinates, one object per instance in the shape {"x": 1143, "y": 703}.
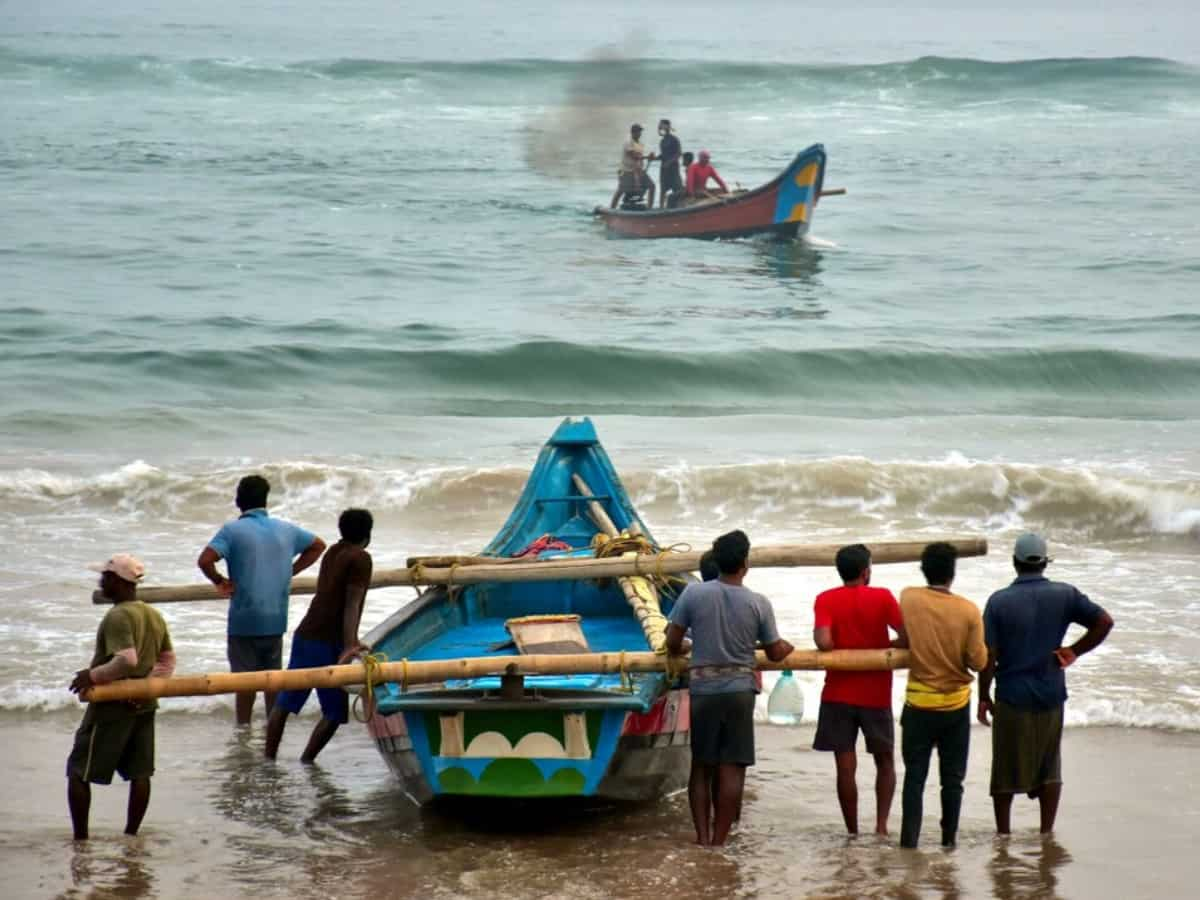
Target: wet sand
{"x": 225, "y": 823}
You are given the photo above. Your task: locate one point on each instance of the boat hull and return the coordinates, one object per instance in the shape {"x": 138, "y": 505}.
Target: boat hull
{"x": 782, "y": 208}
{"x": 617, "y": 754}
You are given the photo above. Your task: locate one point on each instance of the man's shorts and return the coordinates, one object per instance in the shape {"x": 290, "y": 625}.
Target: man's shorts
{"x": 723, "y": 728}
{"x": 1026, "y": 748}
{"x": 254, "y": 653}
{"x": 838, "y": 725}
{"x": 671, "y": 179}
{"x": 107, "y": 744}
{"x": 310, "y": 654}
{"x": 634, "y": 182}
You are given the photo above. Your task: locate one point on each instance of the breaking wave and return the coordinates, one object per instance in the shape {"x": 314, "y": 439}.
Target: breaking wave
{"x": 1074, "y": 502}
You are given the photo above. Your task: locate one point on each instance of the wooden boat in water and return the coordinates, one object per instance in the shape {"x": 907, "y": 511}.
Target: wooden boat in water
{"x": 546, "y": 735}
{"x": 783, "y": 207}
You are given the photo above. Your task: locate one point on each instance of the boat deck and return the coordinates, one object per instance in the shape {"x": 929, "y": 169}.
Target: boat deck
{"x": 603, "y": 633}
{"x": 485, "y": 637}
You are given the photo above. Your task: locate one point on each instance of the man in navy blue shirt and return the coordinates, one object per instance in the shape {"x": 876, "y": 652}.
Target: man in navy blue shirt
{"x": 1024, "y": 625}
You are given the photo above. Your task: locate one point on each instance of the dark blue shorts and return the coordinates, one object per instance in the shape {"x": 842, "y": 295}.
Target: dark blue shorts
{"x": 309, "y": 654}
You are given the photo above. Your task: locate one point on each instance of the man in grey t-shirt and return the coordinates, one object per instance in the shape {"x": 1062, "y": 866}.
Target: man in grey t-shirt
{"x": 727, "y": 621}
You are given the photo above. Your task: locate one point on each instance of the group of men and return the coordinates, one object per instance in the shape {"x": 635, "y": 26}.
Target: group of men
{"x": 261, "y": 553}
{"x": 633, "y": 179}
{"x": 1016, "y": 643}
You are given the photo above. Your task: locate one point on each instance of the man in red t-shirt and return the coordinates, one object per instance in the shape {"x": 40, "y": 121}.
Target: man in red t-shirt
{"x": 698, "y": 174}
{"x": 857, "y": 617}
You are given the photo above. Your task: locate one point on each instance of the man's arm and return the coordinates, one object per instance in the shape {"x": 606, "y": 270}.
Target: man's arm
{"x": 208, "y": 565}
{"x": 719, "y": 181}
{"x": 986, "y": 674}
{"x": 823, "y": 638}
{"x": 164, "y": 666}
{"x": 310, "y": 555}
{"x": 675, "y": 635}
{"x": 356, "y": 598}
{"x": 777, "y": 650}
{"x": 1091, "y": 639}
{"x": 975, "y": 655}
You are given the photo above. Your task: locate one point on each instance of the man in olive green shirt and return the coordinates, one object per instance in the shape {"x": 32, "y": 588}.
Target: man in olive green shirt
{"x": 118, "y": 736}
{"x": 945, "y": 641}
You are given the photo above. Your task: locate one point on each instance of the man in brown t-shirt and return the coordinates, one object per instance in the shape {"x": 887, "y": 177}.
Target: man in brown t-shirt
{"x": 328, "y": 633}
{"x": 945, "y": 640}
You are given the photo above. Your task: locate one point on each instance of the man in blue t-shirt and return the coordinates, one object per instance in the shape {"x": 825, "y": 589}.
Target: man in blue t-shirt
{"x": 1024, "y": 625}
{"x": 262, "y": 554}
{"x": 726, "y": 620}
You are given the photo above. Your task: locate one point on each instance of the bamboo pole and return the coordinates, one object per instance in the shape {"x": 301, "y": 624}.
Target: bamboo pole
{"x": 784, "y": 555}
{"x": 440, "y": 670}
{"x": 640, "y": 593}
{"x": 832, "y": 192}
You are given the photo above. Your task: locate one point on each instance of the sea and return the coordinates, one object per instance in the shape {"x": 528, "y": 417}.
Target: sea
{"x": 349, "y": 245}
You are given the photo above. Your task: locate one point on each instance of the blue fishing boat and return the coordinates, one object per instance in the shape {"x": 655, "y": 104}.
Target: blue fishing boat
{"x": 620, "y": 736}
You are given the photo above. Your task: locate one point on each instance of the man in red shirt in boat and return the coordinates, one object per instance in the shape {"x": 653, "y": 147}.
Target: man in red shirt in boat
{"x": 698, "y": 174}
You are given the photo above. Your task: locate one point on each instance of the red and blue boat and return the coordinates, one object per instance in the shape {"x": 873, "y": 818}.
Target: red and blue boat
{"x": 782, "y": 208}
{"x": 623, "y": 737}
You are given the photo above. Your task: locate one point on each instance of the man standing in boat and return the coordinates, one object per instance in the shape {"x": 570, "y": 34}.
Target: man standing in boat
{"x": 262, "y": 553}
{"x": 631, "y": 176}
{"x": 857, "y": 616}
{"x": 726, "y": 620}
{"x": 328, "y": 633}
{"x": 669, "y": 179}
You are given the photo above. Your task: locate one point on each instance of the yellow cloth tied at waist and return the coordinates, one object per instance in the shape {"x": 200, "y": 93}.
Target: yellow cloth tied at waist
{"x": 922, "y": 696}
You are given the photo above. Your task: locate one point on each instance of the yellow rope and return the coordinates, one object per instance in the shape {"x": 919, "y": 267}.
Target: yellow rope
{"x": 404, "y": 675}
{"x": 372, "y": 675}
{"x": 418, "y": 575}
{"x": 626, "y": 681}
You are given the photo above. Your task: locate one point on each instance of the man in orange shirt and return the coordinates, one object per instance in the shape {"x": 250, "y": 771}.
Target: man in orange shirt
{"x": 945, "y": 642}
{"x": 857, "y": 616}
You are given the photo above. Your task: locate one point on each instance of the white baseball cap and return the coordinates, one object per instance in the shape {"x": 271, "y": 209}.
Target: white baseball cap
{"x": 124, "y": 565}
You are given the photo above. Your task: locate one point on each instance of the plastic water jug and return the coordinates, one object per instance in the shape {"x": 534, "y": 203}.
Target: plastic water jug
{"x": 785, "y": 706}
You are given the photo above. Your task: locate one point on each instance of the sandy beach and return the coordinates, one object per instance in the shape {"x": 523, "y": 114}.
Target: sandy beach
{"x": 225, "y": 823}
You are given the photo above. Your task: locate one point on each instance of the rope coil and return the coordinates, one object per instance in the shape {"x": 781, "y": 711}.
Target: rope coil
{"x": 372, "y": 674}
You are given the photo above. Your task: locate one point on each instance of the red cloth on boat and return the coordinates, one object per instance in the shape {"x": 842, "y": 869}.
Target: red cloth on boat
{"x": 698, "y": 175}
{"x": 545, "y": 542}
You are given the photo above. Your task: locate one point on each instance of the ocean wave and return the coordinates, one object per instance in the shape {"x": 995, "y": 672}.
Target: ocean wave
{"x": 556, "y": 377}
{"x": 1076, "y": 503}
{"x": 940, "y": 75}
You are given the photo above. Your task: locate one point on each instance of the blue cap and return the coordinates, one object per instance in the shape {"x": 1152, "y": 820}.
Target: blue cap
{"x": 1030, "y": 548}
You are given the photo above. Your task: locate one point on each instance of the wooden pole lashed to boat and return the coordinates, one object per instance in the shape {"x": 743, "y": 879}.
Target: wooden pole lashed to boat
{"x": 667, "y": 563}
{"x": 640, "y": 593}
{"x": 412, "y": 673}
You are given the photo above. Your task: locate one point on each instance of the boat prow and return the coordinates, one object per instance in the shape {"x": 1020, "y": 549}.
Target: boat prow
{"x": 540, "y": 736}
{"x": 783, "y": 207}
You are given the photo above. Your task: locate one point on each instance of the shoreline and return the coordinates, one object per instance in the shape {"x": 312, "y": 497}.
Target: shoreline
{"x": 223, "y": 822}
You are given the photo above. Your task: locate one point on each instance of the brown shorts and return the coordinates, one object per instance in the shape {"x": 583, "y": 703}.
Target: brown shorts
{"x": 1026, "y": 748}
{"x": 838, "y": 725}
{"x": 113, "y": 743}
{"x": 633, "y": 182}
